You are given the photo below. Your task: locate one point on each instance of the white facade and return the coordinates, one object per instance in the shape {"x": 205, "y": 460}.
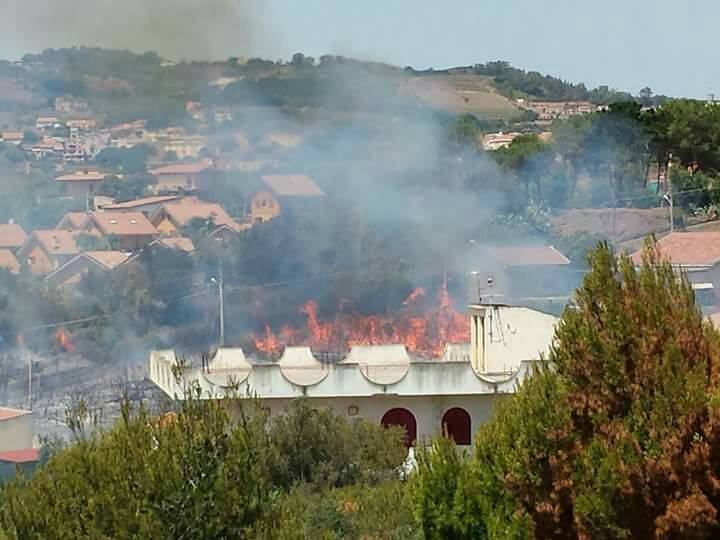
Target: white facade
{"x": 16, "y": 430}
{"x": 373, "y": 381}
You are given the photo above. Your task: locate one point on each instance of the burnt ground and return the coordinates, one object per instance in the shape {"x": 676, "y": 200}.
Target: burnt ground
{"x": 59, "y": 383}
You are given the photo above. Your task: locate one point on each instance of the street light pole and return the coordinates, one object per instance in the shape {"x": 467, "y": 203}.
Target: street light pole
{"x": 222, "y": 306}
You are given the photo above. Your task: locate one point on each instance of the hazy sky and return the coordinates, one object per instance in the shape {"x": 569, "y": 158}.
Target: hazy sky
{"x": 668, "y": 45}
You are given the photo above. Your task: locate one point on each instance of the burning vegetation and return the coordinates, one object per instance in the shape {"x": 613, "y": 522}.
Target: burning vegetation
{"x": 425, "y": 332}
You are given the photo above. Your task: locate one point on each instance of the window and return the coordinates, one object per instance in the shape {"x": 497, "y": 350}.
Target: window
{"x": 263, "y": 203}
{"x": 188, "y": 182}
{"x": 456, "y": 425}
{"x": 31, "y": 260}
{"x": 405, "y": 419}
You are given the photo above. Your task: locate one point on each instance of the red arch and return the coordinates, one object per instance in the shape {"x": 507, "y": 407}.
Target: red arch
{"x": 403, "y": 418}
{"x": 457, "y": 425}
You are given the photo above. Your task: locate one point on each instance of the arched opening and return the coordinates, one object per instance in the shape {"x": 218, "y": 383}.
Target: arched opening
{"x": 456, "y": 425}
{"x": 405, "y": 419}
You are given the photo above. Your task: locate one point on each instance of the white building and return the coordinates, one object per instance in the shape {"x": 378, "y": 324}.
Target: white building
{"x": 17, "y": 442}
{"x": 384, "y": 383}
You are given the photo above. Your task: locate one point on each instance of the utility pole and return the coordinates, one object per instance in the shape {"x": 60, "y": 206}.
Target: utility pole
{"x": 222, "y": 306}
{"x": 30, "y": 396}
{"x": 669, "y": 198}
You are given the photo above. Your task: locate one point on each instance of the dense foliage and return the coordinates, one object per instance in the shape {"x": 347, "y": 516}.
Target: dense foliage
{"x": 193, "y": 474}
{"x": 615, "y": 438}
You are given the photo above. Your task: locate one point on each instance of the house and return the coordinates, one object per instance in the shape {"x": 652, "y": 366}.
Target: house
{"x": 282, "y": 189}
{"x": 187, "y": 147}
{"x": 551, "y": 110}
{"x": 8, "y": 261}
{"x": 12, "y": 236}
{"x": 146, "y": 205}
{"x": 69, "y": 105}
{"x": 48, "y": 122}
{"x": 48, "y": 148}
{"x": 72, "y": 221}
{"x": 17, "y": 442}
{"x": 383, "y": 383}
{"x": 81, "y": 183}
{"x": 180, "y": 176}
{"x": 181, "y": 243}
{"x": 523, "y": 271}
{"x": 129, "y": 230}
{"x": 13, "y": 137}
{"x": 172, "y": 217}
{"x": 697, "y": 254}
{"x": 46, "y": 250}
{"x": 495, "y": 141}
{"x": 89, "y": 261}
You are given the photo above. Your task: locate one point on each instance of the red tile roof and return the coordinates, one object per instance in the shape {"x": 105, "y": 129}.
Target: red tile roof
{"x": 108, "y": 259}
{"x": 123, "y": 223}
{"x": 29, "y": 455}
{"x": 183, "y": 211}
{"x": 528, "y": 256}
{"x": 12, "y": 235}
{"x": 178, "y": 242}
{"x": 82, "y": 176}
{"x": 72, "y": 220}
{"x": 129, "y": 205}
{"x": 7, "y": 414}
{"x": 8, "y": 261}
{"x": 183, "y": 168}
{"x": 293, "y": 185}
{"x": 688, "y": 248}
{"x": 55, "y": 242}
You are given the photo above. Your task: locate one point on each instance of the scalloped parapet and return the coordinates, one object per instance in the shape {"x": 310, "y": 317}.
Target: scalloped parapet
{"x": 300, "y": 367}
{"x": 228, "y": 367}
{"x": 380, "y": 364}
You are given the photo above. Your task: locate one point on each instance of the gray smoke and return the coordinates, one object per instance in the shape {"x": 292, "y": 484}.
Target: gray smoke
{"x": 176, "y": 29}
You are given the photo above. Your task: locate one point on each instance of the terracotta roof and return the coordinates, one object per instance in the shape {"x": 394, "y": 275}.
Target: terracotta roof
{"x": 55, "y": 242}
{"x": 108, "y": 259}
{"x": 178, "y": 242}
{"x": 528, "y": 256}
{"x": 11, "y": 235}
{"x": 82, "y": 176}
{"x": 123, "y": 223}
{"x": 688, "y": 248}
{"x": 184, "y": 210}
{"x": 127, "y": 205}
{"x": 74, "y": 220}
{"x": 30, "y": 455}
{"x": 13, "y": 135}
{"x": 293, "y": 185}
{"x": 7, "y": 413}
{"x": 8, "y": 261}
{"x": 183, "y": 168}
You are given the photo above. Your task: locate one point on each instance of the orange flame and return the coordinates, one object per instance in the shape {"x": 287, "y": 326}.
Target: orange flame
{"x": 62, "y": 338}
{"x": 414, "y": 296}
{"x": 426, "y": 334}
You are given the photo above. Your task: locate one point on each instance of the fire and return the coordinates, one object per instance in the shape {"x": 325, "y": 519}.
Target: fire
{"x": 62, "y": 338}
{"x": 425, "y": 334}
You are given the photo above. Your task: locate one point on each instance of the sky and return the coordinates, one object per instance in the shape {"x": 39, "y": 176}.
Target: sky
{"x": 668, "y": 45}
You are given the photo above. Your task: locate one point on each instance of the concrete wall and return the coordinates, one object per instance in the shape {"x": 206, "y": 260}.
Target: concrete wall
{"x": 16, "y": 433}
{"x": 428, "y": 411}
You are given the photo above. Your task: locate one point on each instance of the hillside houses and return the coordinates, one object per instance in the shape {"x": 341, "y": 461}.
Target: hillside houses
{"x": 89, "y": 261}
{"x": 173, "y": 216}
{"x": 46, "y": 250}
{"x": 127, "y": 231}
{"x": 282, "y": 189}
{"x": 81, "y": 183}
{"x": 180, "y": 176}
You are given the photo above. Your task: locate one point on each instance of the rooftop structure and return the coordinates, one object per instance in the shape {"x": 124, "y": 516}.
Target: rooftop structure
{"x": 12, "y": 236}
{"x": 374, "y": 381}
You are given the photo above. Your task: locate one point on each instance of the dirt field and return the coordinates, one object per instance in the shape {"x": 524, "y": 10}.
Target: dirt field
{"x": 629, "y": 223}
{"x": 459, "y": 93}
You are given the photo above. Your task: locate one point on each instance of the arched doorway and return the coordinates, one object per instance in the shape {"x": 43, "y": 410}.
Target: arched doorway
{"x": 456, "y": 425}
{"x": 405, "y": 419}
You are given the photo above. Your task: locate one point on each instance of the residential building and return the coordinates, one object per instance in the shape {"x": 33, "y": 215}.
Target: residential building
{"x": 46, "y": 250}
{"x": 12, "y": 137}
{"x": 697, "y": 254}
{"x": 180, "y": 176}
{"x": 81, "y": 124}
{"x": 48, "y": 122}
{"x": 523, "y": 271}
{"x": 72, "y": 271}
{"x": 17, "y": 442}
{"x": 146, "y": 205}
{"x": 47, "y": 148}
{"x": 81, "y": 183}
{"x": 12, "y": 236}
{"x": 73, "y": 221}
{"x": 282, "y": 189}
{"x": 495, "y": 141}
{"x": 8, "y": 261}
{"x": 187, "y": 147}
{"x": 173, "y": 216}
{"x": 181, "y": 243}
{"x": 70, "y": 105}
{"x": 383, "y": 383}
{"x": 129, "y": 231}
{"x": 552, "y": 110}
